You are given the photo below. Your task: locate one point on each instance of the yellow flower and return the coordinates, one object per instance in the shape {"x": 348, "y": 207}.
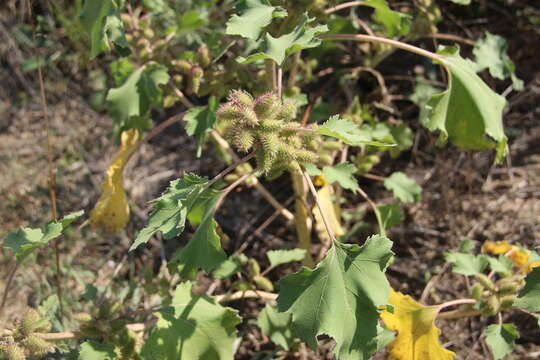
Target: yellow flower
{"x": 418, "y": 337}
{"x": 111, "y": 212}
{"x": 496, "y": 247}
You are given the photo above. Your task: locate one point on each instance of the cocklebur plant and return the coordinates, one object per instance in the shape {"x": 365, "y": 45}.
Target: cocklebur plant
{"x": 266, "y": 126}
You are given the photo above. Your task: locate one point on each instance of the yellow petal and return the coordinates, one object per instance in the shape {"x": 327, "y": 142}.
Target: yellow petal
{"x": 325, "y": 198}
{"x": 418, "y": 337}
{"x": 111, "y": 212}
{"x": 496, "y": 247}
{"x": 519, "y": 257}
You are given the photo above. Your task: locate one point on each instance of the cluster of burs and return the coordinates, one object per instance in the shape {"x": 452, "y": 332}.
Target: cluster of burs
{"x": 266, "y": 126}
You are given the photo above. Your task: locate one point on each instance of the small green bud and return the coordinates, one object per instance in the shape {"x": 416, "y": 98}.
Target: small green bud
{"x": 485, "y": 281}
{"x": 194, "y": 84}
{"x": 270, "y": 125}
{"x": 332, "y": 145}
{"x": 183, "y": 66}
{"x": 197, "y": 72}
{"x": 243, "y": 140}
{"x": 242, "y": 285}
{"x": 507, "y": 301}
{"x": 254, "y": 268}
{"x": 148, "y": 33}
{"x": 492, "y": 306}
{"x": 229, "y": 112}
{"x": 306, "y": 156}
{"x": 507, "y": 288}
{"x": 203, "y": 56}
{"x": 178, "y": 79}
{"x": 82, "y": 317}
{"x": 326, "y": 159}
{"x": 169, "y": 101}
{"x": 263, "y": 283}
{"x": 476, "y": 291}
{"x": 248, "y": 116}
{"x": 271, "y": 144}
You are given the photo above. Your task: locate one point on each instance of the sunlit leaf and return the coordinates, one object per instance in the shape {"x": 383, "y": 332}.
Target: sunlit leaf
{"x": 418, "y": 337}
{"x": 130, "y": 103}
{"x": 468, "y": 113}
{"x": 111, "y": 211}
{"x": 200, "y": 120}
{"x": 529, "y": 297}
{"x": 340, "y": 297}
{"x": 280, "y": 257}
{"x": 396, "y": 23}
{"x": 277, "y": 49}
{"x": 501, "y": 339}
{"x": 403, "y": 187}
{"x": 193, "y": 327}
{"x": 91, "y": 350}
{"x": 391, "y": 214}
{"x": 252, "y": 17}
{"x": 466, "y": 264}
{"x": 491, "y": 52}
{"x": 101, "y": 20}
{"x": 347, "y": 131}
{"x": 343, "y": 174}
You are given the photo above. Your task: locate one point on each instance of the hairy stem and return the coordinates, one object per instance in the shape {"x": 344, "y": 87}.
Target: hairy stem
{"x": 457, "y": 314}
{"x": 382, "y": 40}
{"x": 343, "y": 6}
{"x": 301, "y": 218}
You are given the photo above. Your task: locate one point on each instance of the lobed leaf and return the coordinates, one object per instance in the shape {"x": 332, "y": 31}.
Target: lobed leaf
{"x": 253, "y": 16}
{"x": 101, "y": 20}
{"x": 276, "y": 325}
{"x": 347, "y": 131}
{"x": 403, "y": 187}
{"x": 201, "y": 120}
{"x": 340, "y": 297}
{"x": 194, "y": 327}
{"x": 467, "y": 264}
{"x": 529, "y": 298}
{"x": 280, "y": 257}
{"x": 501, "y": 339}
{"x": 395, "y": 22}
{"x": 468, "y": 113}
{"x": 343, "y": 174}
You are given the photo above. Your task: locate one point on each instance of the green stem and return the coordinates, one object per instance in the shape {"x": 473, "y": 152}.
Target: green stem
{"x": 375, "y": 209}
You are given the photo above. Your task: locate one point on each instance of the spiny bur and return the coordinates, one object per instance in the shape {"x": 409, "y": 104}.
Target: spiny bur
{"x": 266, "y": 126}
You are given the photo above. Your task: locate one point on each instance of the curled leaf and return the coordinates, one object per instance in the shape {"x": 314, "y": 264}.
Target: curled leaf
{"x": 111, "y": 212}
{"x": 418, "y": 337}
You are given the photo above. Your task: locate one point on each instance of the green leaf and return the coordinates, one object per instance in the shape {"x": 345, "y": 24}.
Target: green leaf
{"x": 279, "y": 257}
{"x": 501, "y": 265}
{"x": 26, "y": 240}
{"x": 171, "y": 209}
{"x": 277, "y": 49}
{"x": 253, "y": 16}
{"x": 391, "y": 214}
{"x": 396, "y": 23}
{"x": 501, "y": 339}
{"x": 230, "y": 266}
{"x": 529, "y": 298}
{"x": 101, "y": 20}
{"x": 347, "y": 131}
{"x": 340, "y": 297}
{"x": 200, "y": 120}
{"x": 466, "y": 264}
{"x": 343, "y": 174}
{"x": 194, "y": 327}
{"x": 130, "y": 103}
{"x": 190, "y": 21}
{"x": 491, "y": 53}
{"x": 468, "y": 113}
{"x": 312, "y": 170}
{"x": 276, "y": 325}
{"x": 403, "y": 187}
{"x": 94, "y": 351}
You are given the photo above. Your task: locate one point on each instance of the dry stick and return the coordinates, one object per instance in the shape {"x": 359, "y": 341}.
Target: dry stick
{"x": 279, "y": 82}
{"x": 373, "y": 177}
{"x": 229, "y": 169}
{"x": 260, "y": 188}
{"x": 231, "y": 187}
{"x": 375, "y": 210}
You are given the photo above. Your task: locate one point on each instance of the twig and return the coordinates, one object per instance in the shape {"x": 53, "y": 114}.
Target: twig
{"x": 280, "y": 82}
{"x": 456, "y": 314}
{"x": 231, "y": 187}
{"x": 246, "y": 294}
{"x": 373, "y": 177}
{"x": 9, "y": 280}
{"x": 230, "y": 168}
{"x": 343, "y": 6}
{"x": 453, "y": 38}
{"x": 301, "y": 218}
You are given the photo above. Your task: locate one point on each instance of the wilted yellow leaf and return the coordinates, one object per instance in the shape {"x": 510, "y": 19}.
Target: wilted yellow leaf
{"x": 111, "y": 212}
{"x": 519, "y": 256}
{"x": 418, "y": 337}
{"x": 325, "y": 198}
{"x": 530, "y": 266}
